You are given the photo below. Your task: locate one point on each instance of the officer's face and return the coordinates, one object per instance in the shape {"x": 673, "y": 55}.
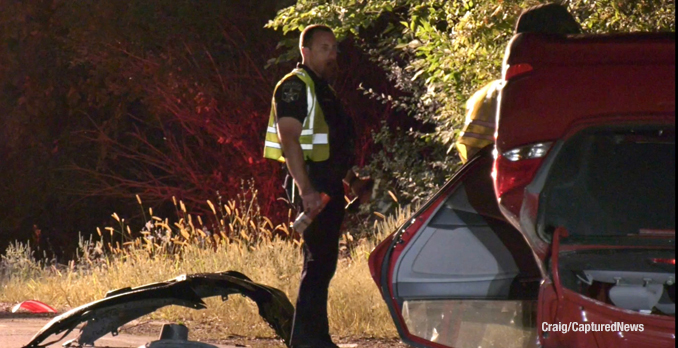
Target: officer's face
{"x": 323, "y": 55}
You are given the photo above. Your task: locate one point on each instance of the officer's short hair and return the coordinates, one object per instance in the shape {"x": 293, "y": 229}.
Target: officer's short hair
{"x": 550, "y": 18}
{"x": 306, "y": 37}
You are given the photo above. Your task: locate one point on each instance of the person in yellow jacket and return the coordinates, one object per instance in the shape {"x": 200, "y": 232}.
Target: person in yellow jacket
{"x": 480, "y": 124}
{"x": 309, "y": 131}
{"x": 481, "y": 108}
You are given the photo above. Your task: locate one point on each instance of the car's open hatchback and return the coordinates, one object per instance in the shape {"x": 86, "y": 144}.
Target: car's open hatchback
{"x": 570, "y": 218}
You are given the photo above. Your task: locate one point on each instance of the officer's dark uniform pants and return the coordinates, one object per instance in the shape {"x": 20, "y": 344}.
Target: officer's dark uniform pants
{"x": 321, "y": 251}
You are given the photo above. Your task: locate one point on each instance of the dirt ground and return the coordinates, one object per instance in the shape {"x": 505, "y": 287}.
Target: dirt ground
{"x": 152, "y": 328}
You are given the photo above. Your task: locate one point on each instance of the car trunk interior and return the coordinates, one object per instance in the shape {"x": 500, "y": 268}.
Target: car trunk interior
{"x": 613, "y": 188}
{"x": 637, "y": 280}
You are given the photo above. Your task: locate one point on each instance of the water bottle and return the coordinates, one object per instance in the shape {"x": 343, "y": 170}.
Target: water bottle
{"x": 304, "y": 220}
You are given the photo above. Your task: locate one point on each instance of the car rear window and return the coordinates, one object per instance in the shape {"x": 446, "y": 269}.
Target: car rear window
{"x": 614, "y": 182}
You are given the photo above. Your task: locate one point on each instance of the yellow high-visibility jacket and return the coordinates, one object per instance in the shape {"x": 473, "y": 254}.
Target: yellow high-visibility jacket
{"x": 480, "y": 125}
{"x": 314, "y": 137}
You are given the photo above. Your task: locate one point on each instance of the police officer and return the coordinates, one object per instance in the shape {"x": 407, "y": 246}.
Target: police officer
{"x": 310, "y": 132}
{"x": 481, "y": 108}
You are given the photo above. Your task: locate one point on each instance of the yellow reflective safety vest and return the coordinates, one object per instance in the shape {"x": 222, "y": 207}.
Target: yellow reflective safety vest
{"x": 314, "y": 137}
{"x": 480, "y": 125}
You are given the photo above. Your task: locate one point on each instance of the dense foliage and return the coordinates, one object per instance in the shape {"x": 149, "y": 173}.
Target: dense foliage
{"x": 438, "y": 52}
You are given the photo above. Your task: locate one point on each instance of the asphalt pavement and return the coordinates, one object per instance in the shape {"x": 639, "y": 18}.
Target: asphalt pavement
{"x": 17, "y": 331}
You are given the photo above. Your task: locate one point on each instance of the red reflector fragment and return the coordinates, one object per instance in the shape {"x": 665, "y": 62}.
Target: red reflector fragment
{"x": 666, "y": 261}
{"x": 34, "y": 306}
{"x": 515, "y": 70}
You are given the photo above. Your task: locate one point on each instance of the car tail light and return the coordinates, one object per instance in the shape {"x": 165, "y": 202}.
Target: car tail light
{"x": 515, "y": 169}
{"x": 517, "y": 69}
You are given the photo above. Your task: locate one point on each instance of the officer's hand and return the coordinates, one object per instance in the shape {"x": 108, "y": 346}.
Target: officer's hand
{"x": 312, "y": 201}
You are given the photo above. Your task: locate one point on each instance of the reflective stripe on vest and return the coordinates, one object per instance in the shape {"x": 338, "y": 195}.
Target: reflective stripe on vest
{"x": 480, "y": 122}
{"x": 314, "y": 139}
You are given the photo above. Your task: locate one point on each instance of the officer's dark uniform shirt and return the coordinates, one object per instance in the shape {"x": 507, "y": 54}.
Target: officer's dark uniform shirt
{"x": 291, "y": 101}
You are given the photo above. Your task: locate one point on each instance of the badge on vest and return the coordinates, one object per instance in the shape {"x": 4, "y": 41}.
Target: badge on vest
{"x": 291, "y": 91}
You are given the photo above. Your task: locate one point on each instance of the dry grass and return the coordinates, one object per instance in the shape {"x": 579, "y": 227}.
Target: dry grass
{"x": 243, "y": 242}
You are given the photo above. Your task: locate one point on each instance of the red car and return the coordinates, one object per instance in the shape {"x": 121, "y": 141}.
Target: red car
{"x": 563, "y": 235}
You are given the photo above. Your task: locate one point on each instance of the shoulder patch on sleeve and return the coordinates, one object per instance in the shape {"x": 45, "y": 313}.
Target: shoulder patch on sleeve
{"x": 291, "y": 90}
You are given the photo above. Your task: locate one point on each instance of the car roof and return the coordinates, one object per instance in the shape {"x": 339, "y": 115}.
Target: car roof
{"x": 619, "y": 48}
{"x": 584, "y": 78}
